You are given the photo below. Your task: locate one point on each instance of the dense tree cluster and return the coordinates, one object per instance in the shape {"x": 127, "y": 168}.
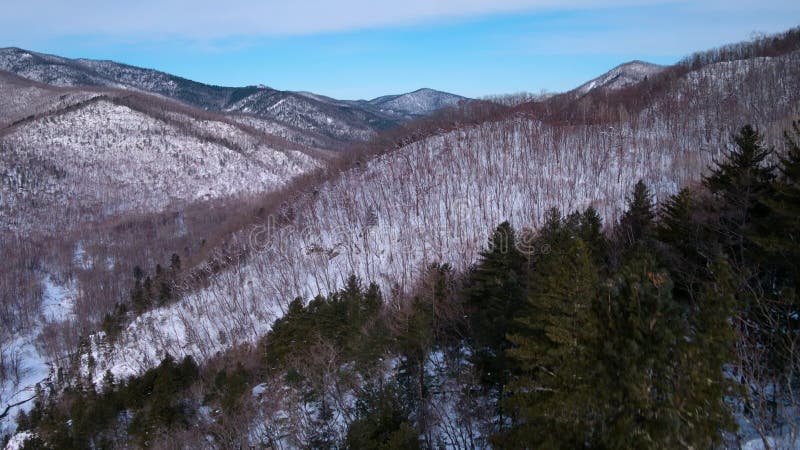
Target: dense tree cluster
{"x": 134, "y": 410}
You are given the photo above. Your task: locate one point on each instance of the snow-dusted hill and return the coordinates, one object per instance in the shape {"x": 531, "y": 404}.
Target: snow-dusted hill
{"x": 20, "y": 98}
{"x": 621, "y": 76}
{"x": 58, "y": 71}
{"x": 340, "y": 121}
{"x": 69, "y": 156}
{"x": 437, "y": 200}
{"x": 415, "y": 104}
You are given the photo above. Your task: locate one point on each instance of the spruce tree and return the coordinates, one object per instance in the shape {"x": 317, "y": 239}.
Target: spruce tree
{"x": 636, "y": 224}
{"x": 640, "y": 329}
{"x": 382, "y": 422}
{"x": 775, "y": 256}
{"x": 413, "y": 344}
{"x": 495, "y": 293}
{"x": 701, "y": 385}
{"x": 591, "y": 233}
{"x": 778, "y": 232}
{"x": 747, "y": 217}
{"x": 553, "y": 400}
{"x": 175, "y": 263}
{"x": 686, "y": 247}
{"x": 738, "y": 183}
{"x": 139, "y": 297}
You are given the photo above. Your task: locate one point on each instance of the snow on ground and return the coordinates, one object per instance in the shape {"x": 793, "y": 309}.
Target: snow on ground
{"x": 18, "y": 440}
{"x": 424, "y": 211}
{"x": 33, "y": 369}
{"x": 785, "y": 443}
{"x": 58, "y": 301}
{"x": 32, "y": 365}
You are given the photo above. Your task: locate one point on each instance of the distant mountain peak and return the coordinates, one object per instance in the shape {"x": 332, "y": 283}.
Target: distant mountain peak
{"x": 416, "y": 103}
{"x": 623, "y": 75}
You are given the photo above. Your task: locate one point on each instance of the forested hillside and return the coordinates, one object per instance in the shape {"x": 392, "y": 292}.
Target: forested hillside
{"x": 613, "y": 266}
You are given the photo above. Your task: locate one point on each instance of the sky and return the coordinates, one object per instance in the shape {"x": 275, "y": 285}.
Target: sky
{"x": 366, "y": 48}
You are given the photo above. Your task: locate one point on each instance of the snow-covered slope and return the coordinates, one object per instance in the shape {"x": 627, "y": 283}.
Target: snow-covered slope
{"x": 621, "y": 76}
{"x": 343, "y": 121}
{"x": 437, "y": 200}
{"x": 21, "y": 98}
{"x": 26, "y": 367}
{"x": 58, "y": 71}
{"x": 113, "y": 153}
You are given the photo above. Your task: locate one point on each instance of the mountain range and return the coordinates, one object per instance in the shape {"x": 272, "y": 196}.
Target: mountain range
{"x": 340, "y": 121}
{"x": 178, "y": 140}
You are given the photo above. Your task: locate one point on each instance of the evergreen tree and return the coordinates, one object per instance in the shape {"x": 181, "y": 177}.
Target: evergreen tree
{"x": 175, "y": 263}
{"x": 636, "y": 224}
{"x": 382, "y": 422}
{"x": 778, "y": 232}
{"x": 495, "y": 294}
{"x": 701, "y": 386}
{"x": 413, "y": 344}
{"x": 553, "y": 400}
{"x": 748, "y": 217}
{"x": 687, "y": 244}
{"x": 640, "y": 329}
{"x": 591, "y": 233}
{"x": 738, "y": 184}
{"x": 139, "y": 298}
{"x": 774, "y": 266}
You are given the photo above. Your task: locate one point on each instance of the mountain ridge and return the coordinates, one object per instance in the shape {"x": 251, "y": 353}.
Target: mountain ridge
{"x": 623, "y": 75}
{"x": 340, "y": 120}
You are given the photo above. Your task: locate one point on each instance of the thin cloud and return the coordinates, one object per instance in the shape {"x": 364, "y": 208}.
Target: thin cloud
{"x": 206, "y": 19}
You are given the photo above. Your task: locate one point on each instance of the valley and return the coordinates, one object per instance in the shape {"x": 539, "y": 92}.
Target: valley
{"x": 155, "y": 227}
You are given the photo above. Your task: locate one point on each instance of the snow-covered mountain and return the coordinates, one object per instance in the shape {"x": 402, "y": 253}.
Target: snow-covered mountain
{"x": 69, "y": 155}
{"x": 416, "y": 104}
{"x": 339, "y": 120}
{"x": 21, "y": 98}
{"x": 621, "y": 76}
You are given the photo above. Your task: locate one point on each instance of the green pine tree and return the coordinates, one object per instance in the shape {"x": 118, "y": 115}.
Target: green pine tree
{"x": 641, "y": 330}
{"x": 774, "y": 264}
{"x": 382, "y": 422}
{"x": 701, "y": 386}
{"x": 553, "y": 400}
{"x": 496, "y": 292}
{"x": 687, "y": 244}
{"x": 591, "y": 233}
{"x": 738, "y": 183}
{"x": 636, "y": 224}
{"x": 778, "y": 232}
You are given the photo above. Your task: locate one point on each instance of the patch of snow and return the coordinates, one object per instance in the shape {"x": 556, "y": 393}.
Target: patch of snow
{"x": 259, "y": 389}
{"x": 786, "y": 443}
{"x": 18, "y": 440}
{"x": 58, "y": 300}
{"x": 33, "y": 367}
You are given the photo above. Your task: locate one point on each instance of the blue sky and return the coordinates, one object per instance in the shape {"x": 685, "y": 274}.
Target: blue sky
{"x": 363, "y": 49}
